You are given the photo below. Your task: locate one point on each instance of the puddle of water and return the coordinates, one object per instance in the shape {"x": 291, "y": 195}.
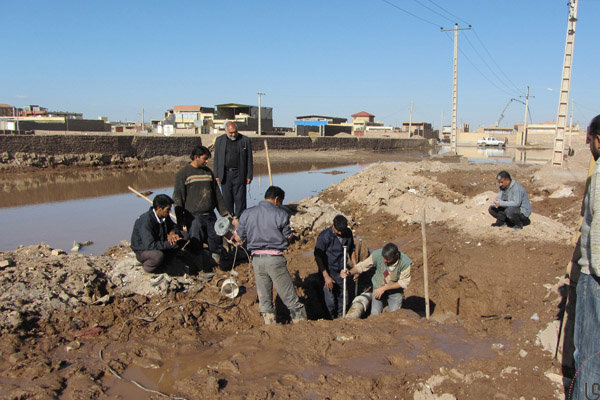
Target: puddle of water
{"x": 107, "y": 220}
{"x": 487, "y": 155}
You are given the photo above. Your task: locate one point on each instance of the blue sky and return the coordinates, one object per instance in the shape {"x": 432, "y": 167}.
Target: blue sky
{"x": 329, "y": 57}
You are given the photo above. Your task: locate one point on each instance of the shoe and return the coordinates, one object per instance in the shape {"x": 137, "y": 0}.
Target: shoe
{"x": 517, "y": 228}
{"x": 216, "y": 258}
{"x": 298, "y": 315}
{"x": 269, "y": 318}
{"x": 499, "y": 223}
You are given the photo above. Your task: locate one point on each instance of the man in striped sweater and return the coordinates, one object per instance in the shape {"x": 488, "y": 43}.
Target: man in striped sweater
{"x": 196, "y": 196}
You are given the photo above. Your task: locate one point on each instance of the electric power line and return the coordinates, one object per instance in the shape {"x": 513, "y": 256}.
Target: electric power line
{"x": 409, "y": 13}
{"x": 492, "y": 58}
{"x": 433, "y": 11}
{"x": 478, "y": 70}
{"x": 448, "y": 12}
{"x": 517, "y": 92}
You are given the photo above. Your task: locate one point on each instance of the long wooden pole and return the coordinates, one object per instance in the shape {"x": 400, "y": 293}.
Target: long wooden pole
{"x": 147, "y": 199}
{"x": 268, "y": 163}
{"x": 425, "y": 272}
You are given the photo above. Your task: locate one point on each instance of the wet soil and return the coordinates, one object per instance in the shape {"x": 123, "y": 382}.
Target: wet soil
{"x": 491, "y": 292}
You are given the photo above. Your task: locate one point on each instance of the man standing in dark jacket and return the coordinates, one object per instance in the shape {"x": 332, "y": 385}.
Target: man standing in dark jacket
{"x": 233, "y": 167}
{"x": 196, "y": 196}
{"x": 155, "y": 236}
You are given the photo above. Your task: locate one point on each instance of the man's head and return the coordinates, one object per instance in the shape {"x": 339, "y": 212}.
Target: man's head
{"x": 231, "y": 130}
{"x": 503, "y": 179}
{"x": 275, "y": 195}
{"x": 593, "y": 137}
{"x": 162, "y": 205}
{"x": 200, "y": 156}
{"x": 340, "y": 224}
{"x": 390, "y": 253}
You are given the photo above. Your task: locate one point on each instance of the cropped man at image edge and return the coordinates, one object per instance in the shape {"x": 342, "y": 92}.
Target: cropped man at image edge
{"x": 587, "y": 307}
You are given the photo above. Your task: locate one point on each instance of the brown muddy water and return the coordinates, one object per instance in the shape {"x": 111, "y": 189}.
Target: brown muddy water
{"x": 79, "y": 206}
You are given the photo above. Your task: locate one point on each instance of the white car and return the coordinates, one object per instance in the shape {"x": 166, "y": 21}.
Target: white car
{"x": 490, "y": 141}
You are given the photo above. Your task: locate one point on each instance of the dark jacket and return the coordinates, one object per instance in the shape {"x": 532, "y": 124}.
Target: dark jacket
{"x": 329, "y": 250}
{"x": 196, "y": 191}
{"x": 148, "y": 234}
{"x": 245, "y": 162}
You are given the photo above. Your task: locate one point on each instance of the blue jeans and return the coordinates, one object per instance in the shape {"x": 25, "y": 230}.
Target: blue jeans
{"x": 334, "y": 298}
{"x": 272, "y": 271}
{"x": 587, "y": 341}
{"x": 393, "y": 298}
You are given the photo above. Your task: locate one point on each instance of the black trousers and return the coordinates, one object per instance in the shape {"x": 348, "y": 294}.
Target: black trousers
{"x": 234, "y": 193}
{"x": 510, "y": 215}
{"x": 202, "y": 230}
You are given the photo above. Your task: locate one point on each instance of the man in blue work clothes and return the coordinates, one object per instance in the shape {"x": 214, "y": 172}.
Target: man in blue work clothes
{"x": 511, "y": 206}
{"x": 266, "y": 230}
{"x": 329, "y": 255}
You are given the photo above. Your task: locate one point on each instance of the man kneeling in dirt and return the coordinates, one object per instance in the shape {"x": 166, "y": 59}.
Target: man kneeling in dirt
{"x": 155, "y": 237}
{"x": 511, "y": 206}
{"x": 392, "y": 276}
{"x": 329, "y": 256}
{"x": 266, "y": 230}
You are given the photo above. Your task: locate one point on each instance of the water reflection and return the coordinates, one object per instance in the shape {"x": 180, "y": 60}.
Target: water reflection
{"x": 107, "y": 220}
{"x": 494, "y": 155}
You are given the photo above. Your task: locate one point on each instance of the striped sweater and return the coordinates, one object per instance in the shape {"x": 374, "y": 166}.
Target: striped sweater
{"x": 197, "y": 192}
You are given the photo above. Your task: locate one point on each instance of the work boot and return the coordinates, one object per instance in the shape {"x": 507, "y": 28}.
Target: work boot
{"x": 269, "y": 318}
{"x": 499, "y": 223}
{"x": 298, "y": 315}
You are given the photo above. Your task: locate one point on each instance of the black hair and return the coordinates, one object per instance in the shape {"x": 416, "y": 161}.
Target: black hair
{"x": 340, "y": 223}
{"x": 199, "y": 151}
{"x": 274, "y": 191}
{"x": 161, "y": 201}
{"x": 594, "y": 128}
{"x": 503, "y": 175}
{"x": 390, "y": 251}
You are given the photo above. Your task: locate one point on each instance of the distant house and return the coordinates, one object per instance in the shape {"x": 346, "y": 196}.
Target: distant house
{"x": 245, "y": 116}
{"x": 6, "y": 110}
{"x": 320, "y": 125}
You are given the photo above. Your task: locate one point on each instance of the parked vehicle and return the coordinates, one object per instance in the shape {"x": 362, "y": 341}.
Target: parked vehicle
{"x": 491, "y": 141}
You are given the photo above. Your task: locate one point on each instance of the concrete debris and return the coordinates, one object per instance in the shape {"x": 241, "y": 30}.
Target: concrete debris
{"x": 535, "y": 317}
{"x": 547, "y": 337}
{"x": 562, "y": 192}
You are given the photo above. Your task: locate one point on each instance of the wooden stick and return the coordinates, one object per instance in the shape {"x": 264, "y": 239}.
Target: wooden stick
{"x": 425, "y": 273}
{"x": 147, "y": 199}
{"x": 268, "y": 163}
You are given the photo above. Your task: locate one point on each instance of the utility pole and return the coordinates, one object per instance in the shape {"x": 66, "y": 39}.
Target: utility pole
{"x": 571, "y": 124}
{"x": 259, "y": 113}
{"x": 524, "y": 137}
{"x": 563, "y": 100}
{"x": 410, "y": 120}
{"x": 454, "y": 134}
{"x": 441, "y": 134}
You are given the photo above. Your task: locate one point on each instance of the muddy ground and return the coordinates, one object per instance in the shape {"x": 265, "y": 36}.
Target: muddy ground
{"x": 74, "y": 325}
